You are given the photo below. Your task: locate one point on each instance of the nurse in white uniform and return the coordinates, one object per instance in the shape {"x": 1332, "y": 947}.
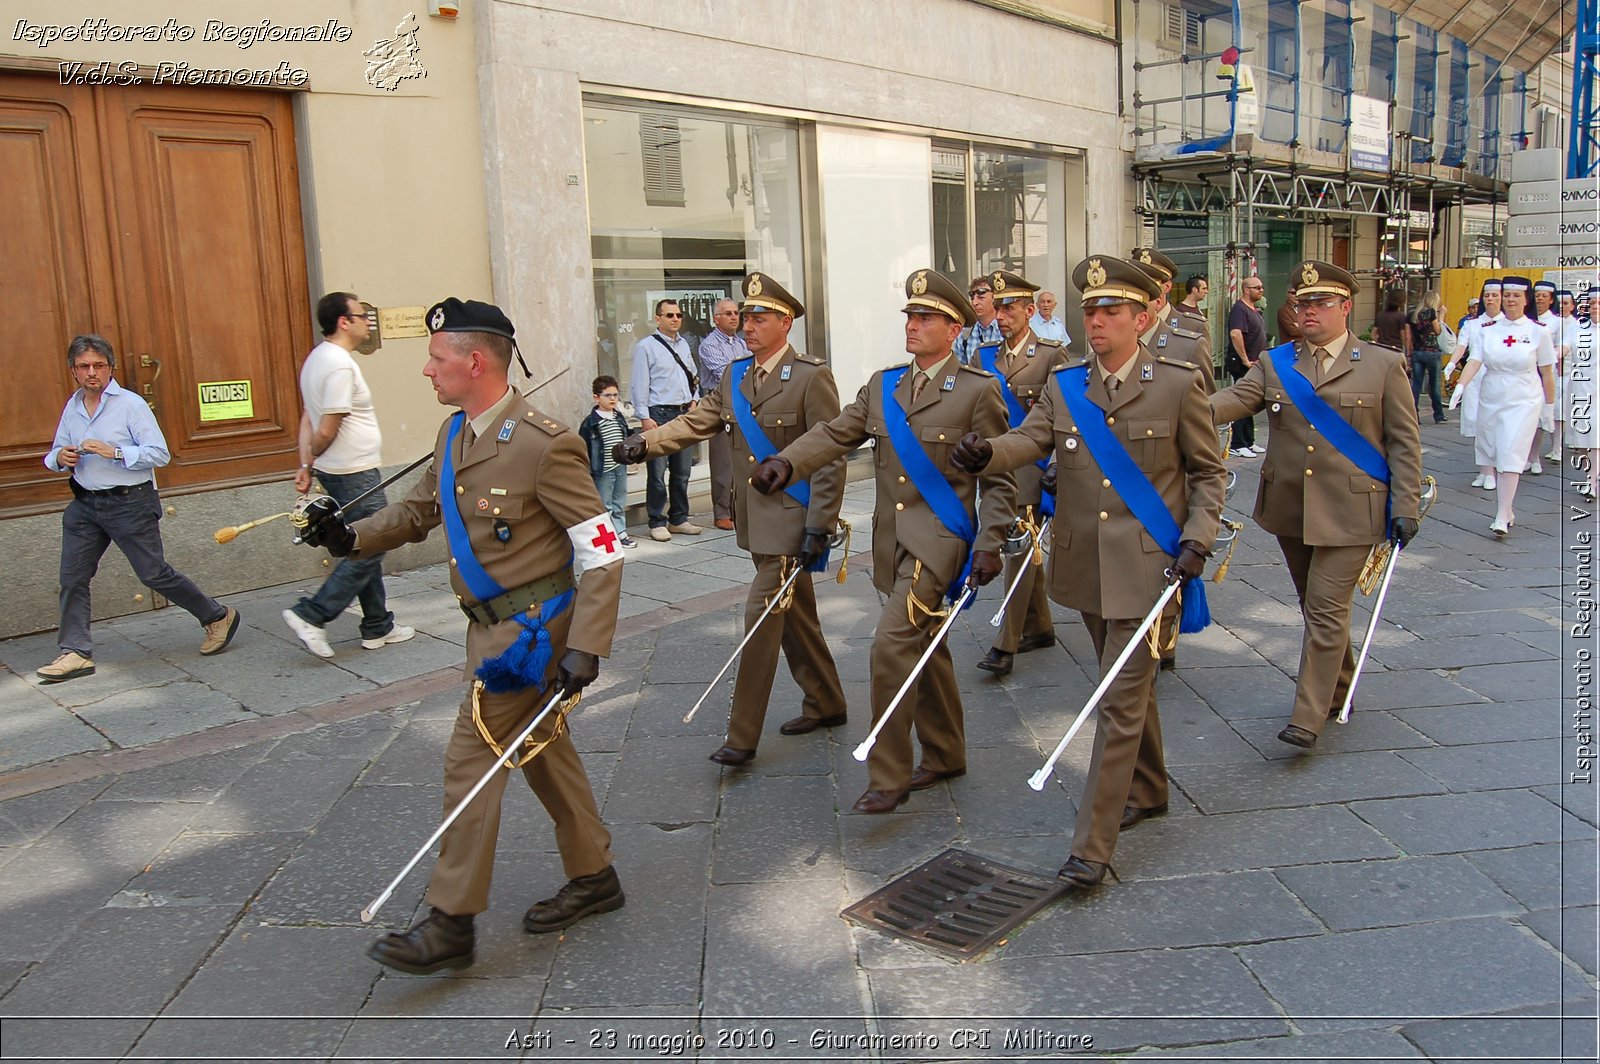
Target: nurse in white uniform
{"x": 1489, "y": 299}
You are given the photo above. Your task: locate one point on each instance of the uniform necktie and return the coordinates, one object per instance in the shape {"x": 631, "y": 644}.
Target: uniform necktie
{"x": 1112, "y": 383}
{"x": 761, "y": 377}
{"x": 919, "y": 381}
{"x": 1323, "y": 360}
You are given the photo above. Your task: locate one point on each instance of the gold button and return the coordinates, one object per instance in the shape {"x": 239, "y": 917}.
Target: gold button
{"x": 902, "y": 480}
{"x": 752, "y": 458}
{"x": 780, "y": 421}
{"x": 1111, "y": 421}
{"x": 1104, "y": 516}
{"x": 941, "y": 435}
{"x": 899, "y": 506}
{"x": 1105, "y": 483}
{"x": 1360, "y": 402}
{"x": 452, "y": 561}
{"x": 1374, "y": 487}
{"x": 1073, "y": 428}
{"x": 1149, "y": 432}
{"x": 1308, "y": 472}
{"x": 460, "y": 490}
{"x": 1310, "y": 448}
{"x": 497, "y": 511}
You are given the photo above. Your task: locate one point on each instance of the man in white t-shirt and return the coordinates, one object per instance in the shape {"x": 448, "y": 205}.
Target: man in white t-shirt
{"x": 340, "y": 444}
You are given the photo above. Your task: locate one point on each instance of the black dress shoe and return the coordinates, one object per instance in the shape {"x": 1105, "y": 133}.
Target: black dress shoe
{"x": 1036, "y": 642}
{"x": 732, "y": 755}
{"x": 438, "y": 941}
{"x": 1295, "y": 735}
{"x": 923, "y": 778}
{"x": 584, "y": 896}
{"x": 997, "y": 662}
{"x": 1169, "y": 664}
{"x": 1081, "y": 874}
{"x": 1132, "y": 814}
{"x": 807, "y": 725}
{"x": 880, "y": 801}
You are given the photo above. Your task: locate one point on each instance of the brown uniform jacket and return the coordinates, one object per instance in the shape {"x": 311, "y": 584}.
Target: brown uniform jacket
{"x": 938, "y": 419}
{"x": 538, "y": 482}
{"x": 1102, "y": 560}
{"x": 1309, "y": 491}
{"x": 1028, "y": 380}
{"x": 785, "y": 409}
{"x": 1181, "y": 339}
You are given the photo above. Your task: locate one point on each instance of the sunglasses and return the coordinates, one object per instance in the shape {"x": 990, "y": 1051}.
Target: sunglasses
{"x": 672, "y": 315}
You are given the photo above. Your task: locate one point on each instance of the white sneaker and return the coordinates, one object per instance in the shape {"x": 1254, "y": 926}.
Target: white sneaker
{"x": 398, "y": 634}
{"x": 1257, "y": 450}
{"x": 1489, "y": 483}
{"x": 1242, "y": 452}
{"x": 1478, "y": 481}
{"x": 1552, "y": 456}
{"x": 1535, "y": 468}
{"x": 313, "y": 636}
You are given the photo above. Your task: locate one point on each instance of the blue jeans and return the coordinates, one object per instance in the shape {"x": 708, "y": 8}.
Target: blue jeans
{"x": 132, "y": 521}
{"x": 613, "y": 488}
{"x": 352, "y": 578}
{"x": 1425, "y": 366}
{"x": 668, "y": 503}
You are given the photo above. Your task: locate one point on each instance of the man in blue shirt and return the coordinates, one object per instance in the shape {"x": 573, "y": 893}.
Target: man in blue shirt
{"x": 987, "y": 328}
{"x": 662, "y": 386}
{"x": 1045, "y": 324}
{"x": 717, "y": 352}
{"x": 109, "y": 442}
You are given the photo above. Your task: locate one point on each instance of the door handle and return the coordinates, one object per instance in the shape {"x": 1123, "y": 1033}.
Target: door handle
{"x": 149, "y": 389}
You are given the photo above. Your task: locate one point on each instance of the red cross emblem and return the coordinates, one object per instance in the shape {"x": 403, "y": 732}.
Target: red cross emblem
{"x": 1510, "y": 341}
{"x": 606, "y": 540}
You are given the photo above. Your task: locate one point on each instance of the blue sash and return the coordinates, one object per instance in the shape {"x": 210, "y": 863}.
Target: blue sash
{"x": 523, "y": 664}
{"x": 930, "y": 483}
{"x": 760, "y": 445}
{"x": 989, "y": 355}
{"x": 1356, "y": 448}
{"x": 1131, "y": 485}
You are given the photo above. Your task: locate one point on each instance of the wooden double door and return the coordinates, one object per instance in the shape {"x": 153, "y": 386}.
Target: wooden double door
{"x": 168, "y": 221}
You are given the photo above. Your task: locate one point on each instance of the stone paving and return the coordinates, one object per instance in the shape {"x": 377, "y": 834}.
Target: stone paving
{"x": 186, "y": 843}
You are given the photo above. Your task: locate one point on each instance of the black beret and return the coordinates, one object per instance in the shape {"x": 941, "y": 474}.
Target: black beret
{"x": 453, "y": 315}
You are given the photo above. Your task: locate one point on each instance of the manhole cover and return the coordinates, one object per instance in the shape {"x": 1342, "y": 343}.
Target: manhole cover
{"x": 957, "y": 904}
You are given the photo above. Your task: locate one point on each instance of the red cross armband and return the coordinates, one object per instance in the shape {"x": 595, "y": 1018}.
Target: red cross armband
{"x": 594, "y": 543}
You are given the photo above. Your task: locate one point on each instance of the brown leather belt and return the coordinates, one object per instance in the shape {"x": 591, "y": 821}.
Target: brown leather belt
{"x": 506, "y": 606}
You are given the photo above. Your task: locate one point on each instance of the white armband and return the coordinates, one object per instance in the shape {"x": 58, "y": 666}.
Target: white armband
{"x": 594, "y": 543}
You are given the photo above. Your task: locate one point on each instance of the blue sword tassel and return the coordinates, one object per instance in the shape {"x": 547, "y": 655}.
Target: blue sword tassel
{"x": 525, "y": 662}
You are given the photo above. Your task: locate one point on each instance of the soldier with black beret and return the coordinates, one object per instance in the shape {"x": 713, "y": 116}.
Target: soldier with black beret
{"x": 522, "y": 516}
{"x": 932, "y": 527}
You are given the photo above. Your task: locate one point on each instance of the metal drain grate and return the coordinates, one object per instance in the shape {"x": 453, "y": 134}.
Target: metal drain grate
{"x": 957, "y": 904}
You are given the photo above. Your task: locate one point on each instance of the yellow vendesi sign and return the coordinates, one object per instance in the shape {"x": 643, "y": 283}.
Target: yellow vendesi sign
{"x": 400, "y": 322}
{"x": 225, "y": 401}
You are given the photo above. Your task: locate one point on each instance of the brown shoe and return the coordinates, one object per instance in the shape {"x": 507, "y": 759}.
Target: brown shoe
{"x": 880, "y": 801}
{"x": 1080, "y": 874}
{"x": 1295, "y": 735}
{"x": 584, "y": 896}
{"x": 1036, "y": 642}
{"x": 1132, "y": 814}
{"x": 68, "y": 666}
{"x": 733, "y": 756}
{"x": 220, "y": 633}
{"x": 997, "y": 662}
{"x": 923, "y": 778}
{"x": 807, "y": 725}
{"x": 724, "y": 523}
{"x": 438, "y": 941}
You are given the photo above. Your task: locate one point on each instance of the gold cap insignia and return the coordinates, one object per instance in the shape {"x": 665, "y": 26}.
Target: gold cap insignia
{"x": 999, "y": 283}
{"x": 754, "y": 287}
{"x": 919, "y": 283}
{"x": 1144, "y": 256}
{"x": 1309, "y": 275}
{"x": 437, "y": 321}
{"x": 1096, "y": 275}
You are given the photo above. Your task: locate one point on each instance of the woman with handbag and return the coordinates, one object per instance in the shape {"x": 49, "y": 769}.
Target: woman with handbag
{"x": 1426, "y": 324}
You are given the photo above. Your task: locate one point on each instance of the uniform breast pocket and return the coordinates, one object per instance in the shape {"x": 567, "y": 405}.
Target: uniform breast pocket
{"x": 937, "y": 440}
{"x": 1150, "y": 441}
{"x": 1070, "y": 451}
{"x": 1277, "y": 406}
{"x": 880, "y": 442}
{"x": 1360, "y": 408}
{"x": 500, "y": 513}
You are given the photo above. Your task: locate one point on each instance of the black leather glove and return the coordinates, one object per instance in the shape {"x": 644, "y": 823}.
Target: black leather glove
{"x": 771, "y": 475}
{"x": 814, "y": 546}
{"x": 1190, "y": 564}
{"x": 985, "y": 567}
{"x": 1402, "y": 530}
{"x": 971, "y": 453}
{"x": 630, "y": 451}
{"x": 577, "y": 671}
{"x": 326, "y": 527}
{"x": 1047, "y": 482}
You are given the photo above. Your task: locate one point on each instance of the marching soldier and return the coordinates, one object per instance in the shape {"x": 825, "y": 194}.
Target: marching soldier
{"x": 765, "y": 402}
{"x": 1343, "y": 470}
{"x": 926, "y": 538}
{"x": 512, "y": 488}
{"x": 1022, "y": 364}
{"x": 1137, "y": 455}
{"x": 1176, "y": 336}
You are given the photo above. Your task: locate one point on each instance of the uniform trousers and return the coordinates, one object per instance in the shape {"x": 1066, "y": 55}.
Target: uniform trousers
{"x": 460, "y": 882}
{"x": 1128, "y": 766}
{"x": 1325, "y": 582}
{"x": 720, "y": 447}
{"x": 798, "y": 633}
{"x": 1028, "y": 612}
{"x": 131, "y": 520}
{"x": 933, "y": 704}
